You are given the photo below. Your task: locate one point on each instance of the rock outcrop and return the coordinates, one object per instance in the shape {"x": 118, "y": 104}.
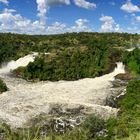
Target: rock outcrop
{"x": 124, "y": 76}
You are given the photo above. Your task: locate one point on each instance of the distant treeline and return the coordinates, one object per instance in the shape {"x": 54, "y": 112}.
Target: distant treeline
{"x": 13, "y": 46}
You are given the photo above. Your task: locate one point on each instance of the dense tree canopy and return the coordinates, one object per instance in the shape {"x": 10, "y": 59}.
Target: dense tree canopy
{"x": 13, "y": 46}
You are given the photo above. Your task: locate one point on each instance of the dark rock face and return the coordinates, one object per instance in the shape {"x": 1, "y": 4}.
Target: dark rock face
{"x": 102, "y": 133}
{"x": 65, "y": 120}
{"x": 118, "y": 89}
{"x": 61, "y": 125}
{"x": 118, "y": 83}
{"x": 58, "y": 110}
{"x": 59, "y": 120}
{"x": 112, "y": 100}
{"x": 126, "y": 76}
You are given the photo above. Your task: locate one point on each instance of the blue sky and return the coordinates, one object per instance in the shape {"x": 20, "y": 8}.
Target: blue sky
{"x": 59, "y": 16}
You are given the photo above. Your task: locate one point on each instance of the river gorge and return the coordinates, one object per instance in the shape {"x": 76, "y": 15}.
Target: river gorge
{"x": 25, "y": 100}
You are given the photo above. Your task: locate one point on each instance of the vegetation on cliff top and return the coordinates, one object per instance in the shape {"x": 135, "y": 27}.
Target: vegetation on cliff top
{"x": 13, "y": 46}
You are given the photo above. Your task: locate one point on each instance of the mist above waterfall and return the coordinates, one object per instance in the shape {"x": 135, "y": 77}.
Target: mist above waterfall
{"x": 22, "y": 62}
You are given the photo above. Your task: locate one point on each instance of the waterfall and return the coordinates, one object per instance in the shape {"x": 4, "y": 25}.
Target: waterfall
{"x": 24, "y": 61}
{"x": 120, "y": 68}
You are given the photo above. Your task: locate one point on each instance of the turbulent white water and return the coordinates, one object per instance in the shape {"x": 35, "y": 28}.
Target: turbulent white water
{"x": 26, "y": 100}
{"x": 24, "y": 61}
{"x": 131, "y": 49}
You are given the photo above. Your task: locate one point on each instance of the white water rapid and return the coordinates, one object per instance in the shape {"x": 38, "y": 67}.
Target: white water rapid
{"x": 25, "y": 100}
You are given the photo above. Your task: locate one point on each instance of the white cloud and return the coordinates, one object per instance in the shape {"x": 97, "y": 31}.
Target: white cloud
{"x": 4, "y": 1}
{"x": 44, "y": 5}
{"x": 11, "y": 21}
{"x": 54, "y": 2}
{"x": 109, "y": 24}
{"x": 129, "y": 7}
{"x": 133, "y": 30}
{"x": 81, "y": 25}
{"x": 85, "y": 4}
{"x": 9, "y": 10}
{"x": 134, "y": 20}
{"x": 81, "y": 22}
{"x": 56, "y": 28}
{"x": 42, "y": 8}
{"x": 137, "y": 18}
{"x": 112, "y": 3}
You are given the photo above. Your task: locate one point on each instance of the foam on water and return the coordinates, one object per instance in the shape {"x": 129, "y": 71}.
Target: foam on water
{"x": 24, "y": 61}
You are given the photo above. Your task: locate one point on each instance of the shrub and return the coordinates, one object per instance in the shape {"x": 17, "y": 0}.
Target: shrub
{"x": 94, "y": 125}
{"x": 3, "y": 86}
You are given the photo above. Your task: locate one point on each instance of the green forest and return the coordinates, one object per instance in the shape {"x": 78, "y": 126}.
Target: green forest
{"x": 73, "y": 56}
{"x": 13, "y": 46}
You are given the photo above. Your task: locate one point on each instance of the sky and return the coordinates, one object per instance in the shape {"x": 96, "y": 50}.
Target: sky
{"x": 60, "y": 16}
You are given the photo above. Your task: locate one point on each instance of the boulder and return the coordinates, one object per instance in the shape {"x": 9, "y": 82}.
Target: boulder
{"x": 118, "y": 83}
{"x": 124, "y": 76}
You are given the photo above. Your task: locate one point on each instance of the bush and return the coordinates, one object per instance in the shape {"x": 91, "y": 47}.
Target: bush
{"x": 132, "y": 61}
{"x": 94, "y": 125}
{"x": 3, "y": 86}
